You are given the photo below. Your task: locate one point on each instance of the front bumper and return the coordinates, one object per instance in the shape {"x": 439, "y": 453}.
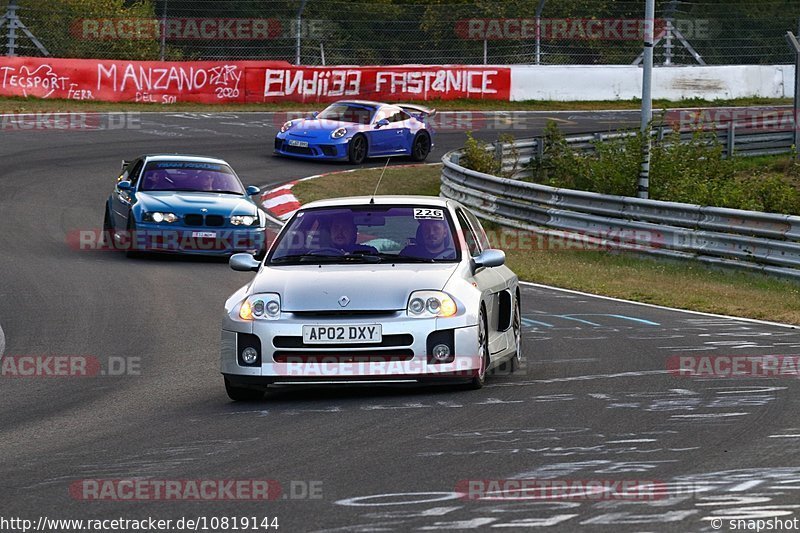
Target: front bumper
{"x": 404, "y": 353}
{"x": 327, "y": 149}
{"x": 178, "y": 239}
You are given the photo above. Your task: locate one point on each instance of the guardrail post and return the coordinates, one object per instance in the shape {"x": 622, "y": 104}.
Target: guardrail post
{"x": 498, "y": 152}
{"x": 540, "y": 148}
{"x": 731, "y": 138}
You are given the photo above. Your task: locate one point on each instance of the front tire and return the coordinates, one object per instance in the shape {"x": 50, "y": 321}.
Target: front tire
{"x": 133, "y": 249}
{"x": 241, "y": 394}
{"x": 479, "y": 380}
{"x": 421, "y": 146}
{"x": 107, "y": 238}
{"x": 357, "y": 149}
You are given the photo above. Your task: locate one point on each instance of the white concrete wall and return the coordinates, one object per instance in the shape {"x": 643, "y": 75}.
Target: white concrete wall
{"x": 623, "y": 82}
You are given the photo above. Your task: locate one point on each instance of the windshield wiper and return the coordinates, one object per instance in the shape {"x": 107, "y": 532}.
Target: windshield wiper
{"x": 302, "y": 258}
{"x": 393, "y": 258}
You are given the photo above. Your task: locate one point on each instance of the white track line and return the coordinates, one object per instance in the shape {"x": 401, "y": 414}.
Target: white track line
{"x": 751, "y": 320}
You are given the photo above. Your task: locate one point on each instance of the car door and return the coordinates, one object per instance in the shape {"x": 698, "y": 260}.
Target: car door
{"x": 382, "y": 139}
{"x": 401, "y": 141}
{"x": 489, "y": 282}
{"x": 121, "y": 201}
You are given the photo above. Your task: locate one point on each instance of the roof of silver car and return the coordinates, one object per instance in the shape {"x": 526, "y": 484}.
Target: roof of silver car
{"x": 379, "y": 200}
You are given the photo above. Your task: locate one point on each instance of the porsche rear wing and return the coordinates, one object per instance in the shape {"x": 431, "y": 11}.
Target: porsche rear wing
{"x": 124, "y": 165}
{"x": 419, "y": 111}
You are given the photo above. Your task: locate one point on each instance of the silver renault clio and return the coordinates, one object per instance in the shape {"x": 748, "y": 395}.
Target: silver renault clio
{"x": 365, "y": 289}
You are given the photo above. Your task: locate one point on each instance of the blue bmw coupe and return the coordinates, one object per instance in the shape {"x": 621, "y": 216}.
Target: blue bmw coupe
{"x": 354, "y": 130}
{"x": 183, "y": 204}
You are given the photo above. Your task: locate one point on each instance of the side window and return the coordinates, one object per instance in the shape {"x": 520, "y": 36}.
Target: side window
{"x": 400, "y": 116}
{"x": 380, "y": 115}
{"x": 483, "y": 240}
{"x": 133, "y": 175}
{"x": 469, "y": 236}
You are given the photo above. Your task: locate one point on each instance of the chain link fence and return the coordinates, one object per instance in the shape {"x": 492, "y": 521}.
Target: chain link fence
{"x": 385, "y": 32}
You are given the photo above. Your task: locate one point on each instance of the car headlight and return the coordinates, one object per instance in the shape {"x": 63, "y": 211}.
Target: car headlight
{"x": 266, "y": 306}
{"x": 158, "y": 217}
{"x": 243, "y": 220}
{"x": 286, "y": 126}
{"x": 339, "y": 133}
{"x": 428, "y": 304}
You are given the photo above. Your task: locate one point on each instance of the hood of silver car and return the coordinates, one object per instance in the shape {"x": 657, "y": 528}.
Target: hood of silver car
{"x": 365, "y": 287}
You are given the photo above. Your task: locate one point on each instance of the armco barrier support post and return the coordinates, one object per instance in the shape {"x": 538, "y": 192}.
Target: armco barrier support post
{"x": 731, "y": 140}
{"x": 792, "y": 40}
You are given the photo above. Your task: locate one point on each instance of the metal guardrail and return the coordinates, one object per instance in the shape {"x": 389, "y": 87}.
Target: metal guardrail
{"x": 734, "y": 138}
{"x": 750, "y": 240}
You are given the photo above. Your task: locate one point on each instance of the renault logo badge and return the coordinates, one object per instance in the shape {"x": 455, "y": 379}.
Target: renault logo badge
{"x": 343, "y": 301}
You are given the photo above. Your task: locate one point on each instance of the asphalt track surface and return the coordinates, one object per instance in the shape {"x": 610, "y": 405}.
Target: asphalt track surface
{"x": 594, "y": 400}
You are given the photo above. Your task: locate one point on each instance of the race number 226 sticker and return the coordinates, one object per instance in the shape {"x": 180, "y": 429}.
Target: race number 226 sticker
{"x": 435, "y": 214}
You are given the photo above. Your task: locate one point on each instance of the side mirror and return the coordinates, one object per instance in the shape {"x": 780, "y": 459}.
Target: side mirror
{"x": 244, "y": 263}
{"x": 490, "y": 258}
{"x": 124, "y": 185}
{"x": 314, "y": 114}
{"x": 382, "y": 122}
{"x": 252, "y": 189}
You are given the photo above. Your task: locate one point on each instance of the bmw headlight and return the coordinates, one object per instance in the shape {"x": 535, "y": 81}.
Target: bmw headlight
{"x": 428, "y": 304}
{"x": 158, "y": 217}
{"x": 266, "y": 306}
{"x": 339, "y": 133}
{"x": 286, "y": 126}
{"x": 243, "y": 220}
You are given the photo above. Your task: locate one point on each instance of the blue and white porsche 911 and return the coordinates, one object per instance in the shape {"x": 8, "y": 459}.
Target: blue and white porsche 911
{"x": 184, "y": 204}
{"x": 355, "y": 130}
{"x": 398, "y": 288}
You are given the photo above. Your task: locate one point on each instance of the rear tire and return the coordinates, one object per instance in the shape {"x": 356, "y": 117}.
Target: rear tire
{"x": 357, "y": 149}
{"x": 241, "y": 394}
{"x": 421, "y": 146}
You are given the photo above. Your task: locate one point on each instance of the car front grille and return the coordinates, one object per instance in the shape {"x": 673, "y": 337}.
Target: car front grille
{"x": 215, "y": 220}
{"x": 193, "y": 220}
{"x": 298, "y": 150}
{"x": 388, "y": 341}
{"x": 200, "y": 220}
{"x": 333, "y": 356}
{"x": 372, "y": 313}
{"x": 328, "y": 149}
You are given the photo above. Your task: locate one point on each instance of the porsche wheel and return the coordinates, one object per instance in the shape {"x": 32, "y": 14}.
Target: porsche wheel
{"x": 357, "y": 150}
{"x": 421, "y": 146}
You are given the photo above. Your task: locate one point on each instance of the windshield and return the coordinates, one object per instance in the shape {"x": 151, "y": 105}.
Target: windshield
{"x": 355, "y": 114}
{"x": 372, "y": 234}
{"x": 190, "y": 176}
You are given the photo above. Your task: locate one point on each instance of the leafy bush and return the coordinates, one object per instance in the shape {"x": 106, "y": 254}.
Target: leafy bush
{"x": 478, "y": 156}
{"x": 693, "y": 171}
